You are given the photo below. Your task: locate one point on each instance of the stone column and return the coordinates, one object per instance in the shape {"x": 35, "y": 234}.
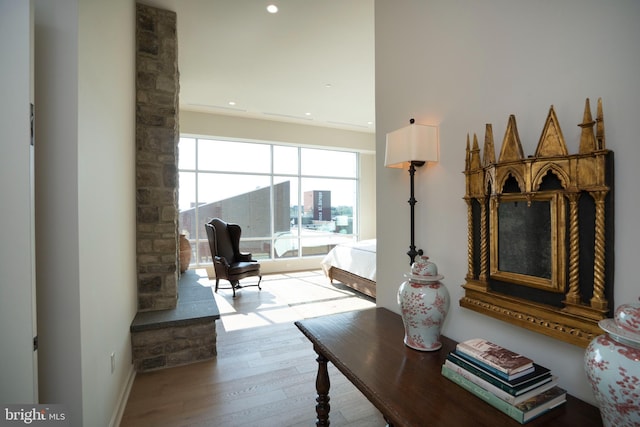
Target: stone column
{"x": 157, "y": 135}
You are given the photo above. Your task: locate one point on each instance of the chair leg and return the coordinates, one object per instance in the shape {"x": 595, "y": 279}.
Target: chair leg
{"x": 258, "y": 285}
{"x": 217, "y": 283}
{"x": 234, "y": 285}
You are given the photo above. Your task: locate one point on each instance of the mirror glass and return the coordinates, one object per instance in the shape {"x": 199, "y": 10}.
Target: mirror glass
{"x": 527, "y": 240}
{"x": 524, "y": 238}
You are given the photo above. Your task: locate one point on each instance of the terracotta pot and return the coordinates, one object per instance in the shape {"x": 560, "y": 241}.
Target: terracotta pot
{"x": 185, "y": 253}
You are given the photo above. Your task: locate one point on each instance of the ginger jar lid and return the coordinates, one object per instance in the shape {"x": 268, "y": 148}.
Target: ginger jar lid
{"x": 625, "y": 325}
{"x": 423, "y": 270}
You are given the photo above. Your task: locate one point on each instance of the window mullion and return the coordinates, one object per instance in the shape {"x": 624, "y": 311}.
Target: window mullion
{"x": 309, "y": 177}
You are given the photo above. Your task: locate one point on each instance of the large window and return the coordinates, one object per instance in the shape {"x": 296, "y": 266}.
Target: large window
{"x": 290, "y": 201}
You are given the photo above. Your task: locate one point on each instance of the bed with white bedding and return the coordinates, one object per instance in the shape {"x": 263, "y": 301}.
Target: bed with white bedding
{"x": 353, "y": 264}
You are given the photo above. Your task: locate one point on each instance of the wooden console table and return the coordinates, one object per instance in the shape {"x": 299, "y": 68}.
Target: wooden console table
{"x": 404, "y": 384}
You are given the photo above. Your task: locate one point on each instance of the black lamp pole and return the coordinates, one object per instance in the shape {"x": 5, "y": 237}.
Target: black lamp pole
{"x": 412, "y": 202}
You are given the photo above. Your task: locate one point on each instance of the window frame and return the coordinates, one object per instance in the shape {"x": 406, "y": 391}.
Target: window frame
{"x": 200, "y": 238}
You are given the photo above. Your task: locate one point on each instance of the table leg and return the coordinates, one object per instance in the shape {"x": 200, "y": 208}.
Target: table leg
{"x": 322, "y": 387}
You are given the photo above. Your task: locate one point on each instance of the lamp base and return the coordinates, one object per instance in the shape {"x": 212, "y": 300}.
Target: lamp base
{"x": 413, "y": 254}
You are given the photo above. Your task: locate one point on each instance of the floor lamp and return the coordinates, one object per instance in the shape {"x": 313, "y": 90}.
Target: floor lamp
{"x": 411, "y": 147}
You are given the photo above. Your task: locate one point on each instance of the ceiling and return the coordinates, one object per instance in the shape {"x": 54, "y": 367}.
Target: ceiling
{"x": 312, "y": 62}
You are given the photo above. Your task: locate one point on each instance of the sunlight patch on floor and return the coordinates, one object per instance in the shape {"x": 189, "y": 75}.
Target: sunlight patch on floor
{"x": 284, "y": 298}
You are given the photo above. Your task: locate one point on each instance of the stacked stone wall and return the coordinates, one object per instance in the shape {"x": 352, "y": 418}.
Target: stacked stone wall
{"x": 157, "y": 135}
{"x": 172, "y": 345}
{"x": 165, "y": 332}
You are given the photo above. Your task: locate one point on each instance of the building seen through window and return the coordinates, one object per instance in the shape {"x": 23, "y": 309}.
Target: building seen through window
{"x": 290, "y": 201}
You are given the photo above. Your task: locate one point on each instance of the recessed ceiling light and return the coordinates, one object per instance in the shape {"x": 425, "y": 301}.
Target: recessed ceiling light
{"x": 272, "y": 8}
{"x": 327, "y": 85}
{"x": 307, "y": 114}
{"x": 232, "y": 103}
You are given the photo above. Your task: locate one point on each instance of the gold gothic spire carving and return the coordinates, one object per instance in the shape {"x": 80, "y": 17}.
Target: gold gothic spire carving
{"x": 530, "y": 266}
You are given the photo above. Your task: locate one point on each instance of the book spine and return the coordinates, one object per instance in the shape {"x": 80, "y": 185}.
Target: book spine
{"x": 483, "y": 394}
{"x": 501, "y": 394}
{"x": 482, "y": 374}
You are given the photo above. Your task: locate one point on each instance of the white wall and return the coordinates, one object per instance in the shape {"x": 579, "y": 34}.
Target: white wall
{"x": 85, "y": 203}
{"x": 203, "y": 124}
{"x": 198, "y": 123}
{"x": 466, "y": 63}
{"x": 106, "y": 196}
{"x": 18, "y": 380}
{"x": 56, "y": 162}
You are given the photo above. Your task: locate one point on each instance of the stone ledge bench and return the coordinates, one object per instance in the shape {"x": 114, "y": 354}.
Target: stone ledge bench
{"x": 186, "y": 334}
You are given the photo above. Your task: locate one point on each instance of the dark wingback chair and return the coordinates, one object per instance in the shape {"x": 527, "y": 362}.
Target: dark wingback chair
{"x": 230, "y": 264}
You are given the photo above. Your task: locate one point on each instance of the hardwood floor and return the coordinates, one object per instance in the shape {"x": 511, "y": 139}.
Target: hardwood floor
{"x": 264, "y": 373}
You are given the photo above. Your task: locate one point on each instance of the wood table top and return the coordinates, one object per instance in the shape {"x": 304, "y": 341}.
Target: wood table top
{"x": 406, "y": 385}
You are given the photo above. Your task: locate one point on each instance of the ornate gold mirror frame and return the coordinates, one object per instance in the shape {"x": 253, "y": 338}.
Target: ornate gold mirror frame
{"x": 540, "y": 230}
{"x": 534, "y": 221}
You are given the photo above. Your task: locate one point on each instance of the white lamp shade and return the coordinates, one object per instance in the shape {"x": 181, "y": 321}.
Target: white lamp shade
{"x": 411, "y": 143}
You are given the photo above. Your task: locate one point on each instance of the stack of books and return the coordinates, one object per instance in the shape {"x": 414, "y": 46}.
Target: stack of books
{"x": 506, "y": 380}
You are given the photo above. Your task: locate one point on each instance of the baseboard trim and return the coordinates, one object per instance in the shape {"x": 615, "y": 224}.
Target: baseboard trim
{"x": 124, "y": 397}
